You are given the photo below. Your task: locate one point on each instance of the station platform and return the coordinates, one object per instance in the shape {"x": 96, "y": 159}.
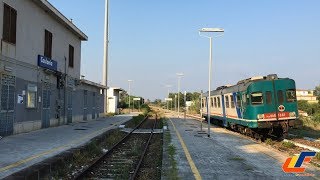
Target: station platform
{"x": 225, "y": 154}
{"x": 23, "y": 150}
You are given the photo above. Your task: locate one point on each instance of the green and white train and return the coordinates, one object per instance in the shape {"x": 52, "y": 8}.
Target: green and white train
{"x": 256, "y": 106}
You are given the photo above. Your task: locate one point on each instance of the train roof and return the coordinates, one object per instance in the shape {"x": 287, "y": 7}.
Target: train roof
{"x": 243, "y": 84}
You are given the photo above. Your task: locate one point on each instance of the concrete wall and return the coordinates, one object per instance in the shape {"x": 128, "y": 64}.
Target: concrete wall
{"x": 31, "y": 24}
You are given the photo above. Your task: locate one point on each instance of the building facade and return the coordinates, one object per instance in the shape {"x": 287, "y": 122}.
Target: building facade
{"x": 113, "y": 94}
{"x": 307, "y": 95}
{"x": 40, "y": 59}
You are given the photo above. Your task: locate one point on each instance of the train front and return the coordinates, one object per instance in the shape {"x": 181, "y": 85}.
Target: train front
{"x": 274, "y": 105}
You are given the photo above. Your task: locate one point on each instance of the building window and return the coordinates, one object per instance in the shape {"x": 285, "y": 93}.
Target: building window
{"x": 268, "y": 97}
{"x": 31, "y": 96}
{"x": 71, "y": 56}
{"x": 9, "y": 24}
{"x": 48, "y": 44}
{"x": 232, "y": 101}
{"x": 227, "y": 102}
{"x": 256, "y": 98}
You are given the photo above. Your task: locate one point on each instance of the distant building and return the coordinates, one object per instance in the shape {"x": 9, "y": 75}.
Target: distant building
{"x": 113, "y": 95}
{"x": 307, "y": 95}
{"x": 40, "y": 58}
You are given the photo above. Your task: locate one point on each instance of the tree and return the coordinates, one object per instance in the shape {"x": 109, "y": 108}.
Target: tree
{"x": 317, "y": 93}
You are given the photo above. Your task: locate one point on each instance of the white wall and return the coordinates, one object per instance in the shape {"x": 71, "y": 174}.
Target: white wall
{"x": 31, "y": 24}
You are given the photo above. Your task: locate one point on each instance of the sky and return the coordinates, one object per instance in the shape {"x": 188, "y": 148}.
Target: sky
{"x": 151, "y": 41}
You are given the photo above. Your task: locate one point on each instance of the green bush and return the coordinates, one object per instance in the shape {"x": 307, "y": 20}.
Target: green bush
{"x": 288, "y": 145}
{"x": 269, "y": 141}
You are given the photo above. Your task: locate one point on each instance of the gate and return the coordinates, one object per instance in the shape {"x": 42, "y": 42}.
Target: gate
{"x": 85, "y": 104}
{"x": 94, "y": 105}
{"x": 46, "y": 95}
{"x": 7, "y": 104}
{"x": 69, "y": 110}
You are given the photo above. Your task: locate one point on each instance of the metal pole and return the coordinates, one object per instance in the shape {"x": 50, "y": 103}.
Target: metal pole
{"x": 105, "y": 62}
{"x": 129, "y": 98}
{"x": 201, "y": 112}
{"x": 185, "y": 104}
{"x": 209, "y": 88}
{"x": 178, "y": 97}
{"x": 175, "y": 103}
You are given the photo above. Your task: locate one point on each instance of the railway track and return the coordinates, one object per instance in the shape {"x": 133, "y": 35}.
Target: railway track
{"x": 124, "y": 159}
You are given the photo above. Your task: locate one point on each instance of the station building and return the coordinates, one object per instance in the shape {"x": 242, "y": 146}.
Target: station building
{"x": 306, "y": 95}
{"x": 40, "y": 59}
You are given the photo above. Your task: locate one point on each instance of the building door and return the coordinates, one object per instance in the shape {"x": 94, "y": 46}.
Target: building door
{"x": 46, "y": 96}
{"x": 69, "y": 107}
{"x": 7, "y": 104}
{"x": 94, "y": 105}
{"x": 85, "y": 105}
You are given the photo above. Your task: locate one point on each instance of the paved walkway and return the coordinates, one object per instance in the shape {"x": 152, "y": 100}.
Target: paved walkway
{"x": 225, "y": 155}
{"x": 23, "y": 150}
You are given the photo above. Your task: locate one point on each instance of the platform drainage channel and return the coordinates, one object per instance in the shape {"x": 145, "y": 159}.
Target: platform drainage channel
{"x": 189, "y": 130}
{"x": 80, "y": 129}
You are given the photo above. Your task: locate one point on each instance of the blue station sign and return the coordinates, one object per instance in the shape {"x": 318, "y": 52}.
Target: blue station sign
{"x": 47, "y": 63}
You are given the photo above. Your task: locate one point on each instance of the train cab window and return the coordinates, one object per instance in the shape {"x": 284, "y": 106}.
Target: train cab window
{"x": 256, "y": 98}
{"x": 291, "y": 95}
{"x": 227, "y": 102}
{"x": 215, "y": 102}
{"x": 280, "y": 97}
{"x": 268, "y": 97}
{"x": 218, "y": 102}
{"x": 238, "y": 100}
{"x": 232, "y": 101}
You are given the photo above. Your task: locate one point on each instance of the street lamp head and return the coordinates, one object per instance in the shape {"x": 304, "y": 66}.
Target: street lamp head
{"x": 211, "y": 30}
{"x": 130, "y": 80}
{"x": 180, "y": 74}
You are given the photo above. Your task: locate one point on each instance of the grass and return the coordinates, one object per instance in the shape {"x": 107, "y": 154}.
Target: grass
{"x": 173, "y": 171}
{"x": 269, "y": 141}
{"x": 237, "y": 158}
{"x": 318, "y": 156}
{"x": 288, "y": 145}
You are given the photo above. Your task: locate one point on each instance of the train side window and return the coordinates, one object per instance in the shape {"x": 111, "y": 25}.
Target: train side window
{"x": 238, "y": 100}
{"x": 227, "y": 102}
{"x": 256, "y": 98}
{"x": 212, "y": 102}
{"x": 218, "y": 102}
{"x": 268, "y": 97}
{"x": 291, "y": 95}
{"x": 215, "y": 102}
{"x": 232, "y": 101}
{"x": 280, "y": 97}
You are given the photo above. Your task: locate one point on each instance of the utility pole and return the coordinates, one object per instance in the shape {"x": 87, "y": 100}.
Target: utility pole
{"x": 105, "y": 61}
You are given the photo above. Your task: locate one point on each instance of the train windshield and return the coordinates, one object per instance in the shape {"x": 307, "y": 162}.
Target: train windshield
{"x": 291, "y": 95}
{"x": 256, "y": 98}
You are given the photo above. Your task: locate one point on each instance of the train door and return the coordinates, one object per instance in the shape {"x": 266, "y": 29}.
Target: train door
{"x": 7, "y": 104}
{"x": 223, "y": 110}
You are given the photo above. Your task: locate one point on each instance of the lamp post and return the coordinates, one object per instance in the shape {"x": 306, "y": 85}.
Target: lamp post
{"x": 180, "y": 75}
{"x": 105, "y": 55}
{"x": 210, "y": 30}
{"x": 129, "y": 81}
{"x": 168, "y": 86}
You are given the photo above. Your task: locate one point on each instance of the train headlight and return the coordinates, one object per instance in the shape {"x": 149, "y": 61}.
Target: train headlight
{"x": 260, "y": 116}
{"x": 292, "y": 114}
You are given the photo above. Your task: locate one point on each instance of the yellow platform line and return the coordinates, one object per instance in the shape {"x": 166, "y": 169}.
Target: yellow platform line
{"x": 18, "y": 163}
{"x": 192, "y": 165}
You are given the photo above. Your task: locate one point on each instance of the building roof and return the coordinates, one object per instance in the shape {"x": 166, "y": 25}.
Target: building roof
{"x": 56, "y": 14}
{"x": 84, "y": 81}
{"x": 116, "y": 88}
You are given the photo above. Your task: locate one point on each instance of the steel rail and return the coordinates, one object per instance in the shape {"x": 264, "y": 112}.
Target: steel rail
{"x": 134, "y": 175}
{"x": 82, "y": 174}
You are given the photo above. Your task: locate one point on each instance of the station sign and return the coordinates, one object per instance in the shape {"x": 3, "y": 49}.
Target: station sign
{"x": 47, "y": 63}
{"x": 136, "y": 99}
{"x": 168, "y": 99}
